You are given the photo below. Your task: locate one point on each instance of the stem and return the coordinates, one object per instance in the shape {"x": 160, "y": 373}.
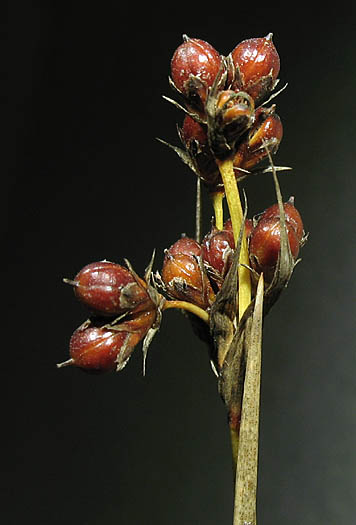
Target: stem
{"x": 217, "y": 199}
{"x": 236, "y": 215}
{"x": 189, "y": 307}
{"x": 247, "y": 460}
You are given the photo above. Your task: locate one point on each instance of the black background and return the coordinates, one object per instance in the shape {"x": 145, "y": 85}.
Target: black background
{"x": 87, "y": 180}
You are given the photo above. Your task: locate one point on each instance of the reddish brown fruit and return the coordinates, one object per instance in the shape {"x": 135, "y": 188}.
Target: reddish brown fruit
{"x": 99, "y": 349}
{"x": 185, "y": 245}
{"x": 267, "y": 130}
{"x": 217, "y": 247}
{"x": 185, "y": 280}
{"x": 108, "y": 289}
{"x": 194, "y": 67}
{"x": 192, "y": 130}
{"x": 265, "y": 243}
{"x": 195, "y": 139}
{"x": 248, "y": 226}
{"x": 292, "y": 216}
{"x": 257, "y": 65}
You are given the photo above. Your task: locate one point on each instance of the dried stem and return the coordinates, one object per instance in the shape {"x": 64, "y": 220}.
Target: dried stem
{"x": 247, "y": 460}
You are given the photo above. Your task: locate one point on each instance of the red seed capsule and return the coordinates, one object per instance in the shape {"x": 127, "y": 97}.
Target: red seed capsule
{"x": 194, "y": 67}
{"x": 267, "y": 130}
{"x": 185, "y": 245}
{"x": 193, "y": 130}
{"x": 108, "y": 289}
{"x": 185, "y": 280}
{"x": 292, "y": 216}
{"x": 217, "y": 247}
{"x": 195, "y": 139}
{"x": 257, "y": 64}
{"x": 248, "y": 226}
{"x": 265, "y": 244}
{"x": 99, "y": 349}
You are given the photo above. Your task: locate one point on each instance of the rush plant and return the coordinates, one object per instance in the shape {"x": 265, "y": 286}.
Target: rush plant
{"x": 226, "y": 280}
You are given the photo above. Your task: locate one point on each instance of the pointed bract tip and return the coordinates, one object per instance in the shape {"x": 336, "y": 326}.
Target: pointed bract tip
{"x": 69, "y": 362}
{"x": 70, "y": 281}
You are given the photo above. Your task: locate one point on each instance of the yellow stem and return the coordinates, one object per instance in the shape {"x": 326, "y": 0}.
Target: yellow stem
{"x": 236, "y": 215}
{"x": 217, "y": 199}
{"x": 189, "y": 307}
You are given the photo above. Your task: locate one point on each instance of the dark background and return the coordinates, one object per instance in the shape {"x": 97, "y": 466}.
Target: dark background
{"x": 87, "y": 180}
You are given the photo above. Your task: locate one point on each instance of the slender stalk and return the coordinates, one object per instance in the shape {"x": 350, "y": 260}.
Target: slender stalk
{"x": 236, "y": 215}
{"x": 218, "y": 198}
{"x": 189, "y": 307}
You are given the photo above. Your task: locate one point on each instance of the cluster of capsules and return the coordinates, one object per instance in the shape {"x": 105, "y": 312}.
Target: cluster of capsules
{"x": 224, "y": 101}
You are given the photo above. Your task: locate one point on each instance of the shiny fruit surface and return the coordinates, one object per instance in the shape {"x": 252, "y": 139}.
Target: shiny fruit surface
{"x": 265, "y": 244}
{"x": 108, "y": 288}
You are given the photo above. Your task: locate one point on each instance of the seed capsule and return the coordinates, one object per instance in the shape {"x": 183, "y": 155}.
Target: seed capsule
{"x": 108, "y": 289}
{"x": 99, "y": 349}
{"x": 195, "y": 139}
{"x": 257, "y": 65}
{"x": 265, "y": 244}
{"x": 248, "y": 226}
{"x": 194, "y": 66}
{"x": 185, "y": 245}
{"x": 186, "y": 280}
{"x": 267, "y": 130}
{"x": 193, "y": 130}
{"x": 292, "y": 216}
{"x": 217, "y": 247}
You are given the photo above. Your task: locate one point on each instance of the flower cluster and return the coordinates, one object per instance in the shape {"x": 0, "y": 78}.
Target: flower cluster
{"x": 224, "y": 102}
{"x": 123, "y": 309}
{"x": 227, "y": 131}
{"x": 195, "y": 272}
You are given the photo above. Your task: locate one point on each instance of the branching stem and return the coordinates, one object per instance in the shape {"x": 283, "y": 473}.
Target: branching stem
{"x": 189, "y": 307}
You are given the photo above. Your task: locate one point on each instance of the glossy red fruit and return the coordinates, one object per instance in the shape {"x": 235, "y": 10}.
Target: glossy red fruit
{"x": 185, "y": 245}
{"x": 185, "y": 280}
{"x": 107, "y": 288}
{"x": 217, "y": 247}
{"x": 292, "y": 215}
{"x": 194, "y": 66}
{"x": 195, "y": 139}
{"x": 99, "y": 349}
{"x": 257, "y": 65}
{"x": 265, "y": 243}
{"x": 248, "y": 226}
{"x": 193, "y": 130}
